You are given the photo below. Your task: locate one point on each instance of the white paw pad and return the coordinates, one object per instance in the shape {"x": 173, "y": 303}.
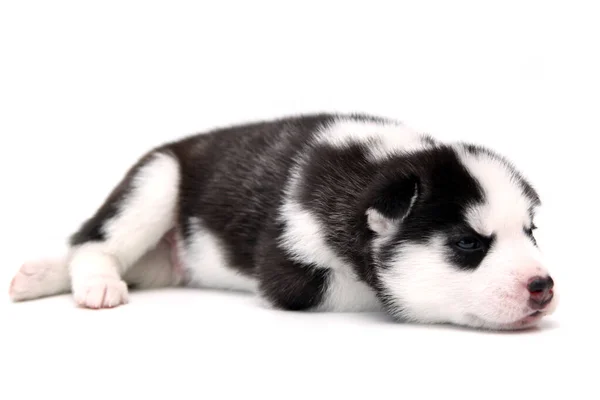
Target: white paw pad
{"x": 100, "y": 291}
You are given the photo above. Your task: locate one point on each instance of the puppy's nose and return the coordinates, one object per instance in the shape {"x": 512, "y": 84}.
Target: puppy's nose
{"x": 540, "y": 284}
{"x": 540, "y": 291}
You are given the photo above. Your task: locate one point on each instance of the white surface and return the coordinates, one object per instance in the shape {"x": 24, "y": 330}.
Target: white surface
{"x": 84, "y": 90}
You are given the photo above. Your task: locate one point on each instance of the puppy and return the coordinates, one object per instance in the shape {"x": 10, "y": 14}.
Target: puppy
{"x": 324, "y": 212}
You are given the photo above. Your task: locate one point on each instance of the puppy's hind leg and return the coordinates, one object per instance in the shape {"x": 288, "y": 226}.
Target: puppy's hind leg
{"x": 48, "y": 276}
{"x": 130, "y": 223}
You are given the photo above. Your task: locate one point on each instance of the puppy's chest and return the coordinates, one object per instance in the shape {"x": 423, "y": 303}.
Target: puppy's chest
{"x": 345, "y": 292}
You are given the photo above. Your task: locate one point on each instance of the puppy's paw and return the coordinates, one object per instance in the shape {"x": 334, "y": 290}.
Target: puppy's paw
{"x": 100, "y": 291}
{"x": 39, "y": 278}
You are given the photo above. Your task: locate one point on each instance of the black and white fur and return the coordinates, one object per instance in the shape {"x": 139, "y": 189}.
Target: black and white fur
{"x": 319, "y": 212}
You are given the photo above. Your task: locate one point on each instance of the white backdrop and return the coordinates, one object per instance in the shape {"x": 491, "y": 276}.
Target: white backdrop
{"x": 87, "y": 87}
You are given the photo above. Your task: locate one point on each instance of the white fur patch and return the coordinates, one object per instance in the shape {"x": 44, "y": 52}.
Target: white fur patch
{"x": 40, "y": 277}
{"x": 422, "y": 282}
{"x": 147, "y": 213}
{"x": 345, "y": 293}
{"x": 384, "y": 138}
{"x": 304, "y": 240}
{"x": 506, "y": 209}
{"x": 205, "y": 261}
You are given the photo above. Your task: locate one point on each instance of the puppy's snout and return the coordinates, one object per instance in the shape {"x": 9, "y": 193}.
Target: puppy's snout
{"x": 540, "y": 291}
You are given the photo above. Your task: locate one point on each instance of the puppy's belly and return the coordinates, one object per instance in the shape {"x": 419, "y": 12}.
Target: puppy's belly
{"x": 204, "y": 260}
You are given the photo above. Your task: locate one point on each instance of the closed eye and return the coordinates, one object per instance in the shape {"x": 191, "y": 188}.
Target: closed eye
{"x": 469, "y": 249}
{"x": 473, "y": 242}
{"x": 469, "y": 243}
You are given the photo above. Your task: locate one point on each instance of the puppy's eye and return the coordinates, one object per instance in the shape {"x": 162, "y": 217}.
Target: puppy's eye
{"x": 469, "y": 243}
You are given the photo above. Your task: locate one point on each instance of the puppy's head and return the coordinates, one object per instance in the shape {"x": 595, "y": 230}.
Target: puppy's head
{"x": 453, "y": 240}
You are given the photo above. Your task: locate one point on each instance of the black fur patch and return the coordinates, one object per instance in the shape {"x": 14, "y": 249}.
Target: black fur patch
{"x": 286, "y": 283}
{"x": 233, "y": 180}
{"x": 394, "y": 198}
{"x": 466, "y": 260}
{"x": 446, "y": 190}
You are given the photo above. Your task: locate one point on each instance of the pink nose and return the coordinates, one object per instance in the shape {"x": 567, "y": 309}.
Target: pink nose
{"x": 540, "y": 291}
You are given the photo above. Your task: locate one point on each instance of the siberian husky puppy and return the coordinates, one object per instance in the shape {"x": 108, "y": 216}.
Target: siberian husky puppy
{"x": 325, "y": 212}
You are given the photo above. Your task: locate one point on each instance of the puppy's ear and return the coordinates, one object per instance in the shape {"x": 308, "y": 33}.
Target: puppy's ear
{"x": 392, "y": 202}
